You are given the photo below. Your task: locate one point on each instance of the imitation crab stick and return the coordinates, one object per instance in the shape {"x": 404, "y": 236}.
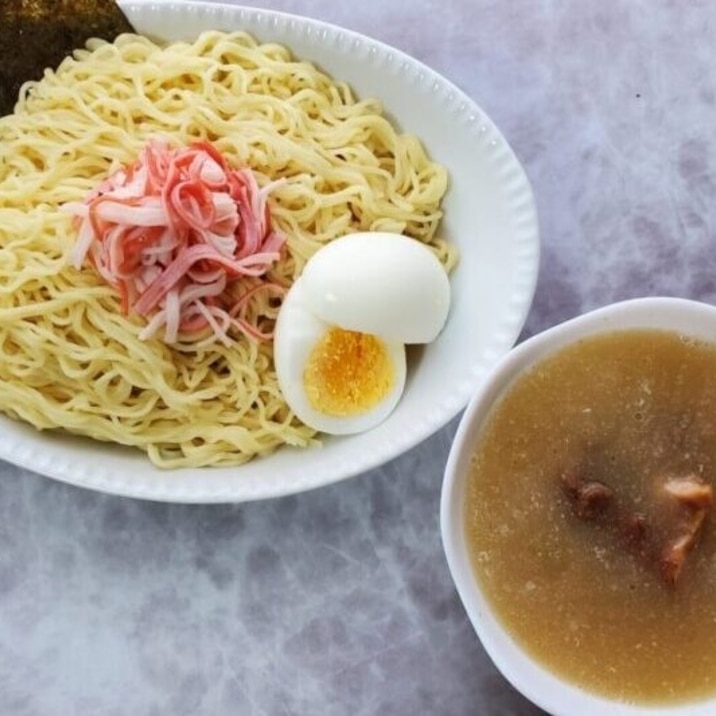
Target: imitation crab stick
{"x": 171, "y": 231}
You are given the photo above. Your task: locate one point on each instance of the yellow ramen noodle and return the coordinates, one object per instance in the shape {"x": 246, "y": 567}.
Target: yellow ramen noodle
{"x": 69, "y": 358}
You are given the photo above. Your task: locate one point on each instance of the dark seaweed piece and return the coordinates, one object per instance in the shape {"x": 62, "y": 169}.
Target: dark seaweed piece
{"x": 39, "y": 34}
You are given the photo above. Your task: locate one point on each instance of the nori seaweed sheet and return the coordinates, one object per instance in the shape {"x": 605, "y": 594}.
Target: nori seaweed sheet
{"x": 37, "y": 34}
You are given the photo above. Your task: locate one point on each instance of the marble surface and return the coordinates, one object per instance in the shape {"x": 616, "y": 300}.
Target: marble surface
{"x": 339, "y": 601}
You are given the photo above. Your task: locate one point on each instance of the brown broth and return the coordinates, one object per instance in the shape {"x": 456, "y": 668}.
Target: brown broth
{"x": 628, "y": 408}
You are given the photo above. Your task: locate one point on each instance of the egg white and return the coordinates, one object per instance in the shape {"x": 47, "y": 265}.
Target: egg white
{"x": 296, "y": 333}
{"x": 376, "y": 282}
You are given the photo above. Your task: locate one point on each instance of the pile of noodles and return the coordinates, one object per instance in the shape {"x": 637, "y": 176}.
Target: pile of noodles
{"x": 69, "y": 358}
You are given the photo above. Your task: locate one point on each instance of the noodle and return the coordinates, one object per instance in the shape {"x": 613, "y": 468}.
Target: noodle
{"x": 69, "y": 358}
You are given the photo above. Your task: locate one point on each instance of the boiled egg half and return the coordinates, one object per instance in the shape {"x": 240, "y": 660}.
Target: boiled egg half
{"x": 339, "y": 341}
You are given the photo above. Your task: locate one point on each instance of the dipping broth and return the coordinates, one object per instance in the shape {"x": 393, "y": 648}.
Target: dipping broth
{"x": 618, "y": 595}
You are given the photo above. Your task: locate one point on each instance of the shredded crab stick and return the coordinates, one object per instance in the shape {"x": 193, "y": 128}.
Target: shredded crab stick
{"x": 171, "y": 231}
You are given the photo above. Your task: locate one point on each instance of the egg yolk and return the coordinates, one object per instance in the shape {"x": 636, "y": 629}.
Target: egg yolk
{"x": 347, "y": 373}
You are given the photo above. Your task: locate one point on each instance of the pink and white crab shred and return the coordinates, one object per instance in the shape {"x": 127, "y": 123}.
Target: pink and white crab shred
{"x": 171, "y": 231}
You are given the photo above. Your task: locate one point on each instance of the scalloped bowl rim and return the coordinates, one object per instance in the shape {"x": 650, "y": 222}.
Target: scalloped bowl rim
{"x": 527, "y": 675}
{"x": 420, "y": 100}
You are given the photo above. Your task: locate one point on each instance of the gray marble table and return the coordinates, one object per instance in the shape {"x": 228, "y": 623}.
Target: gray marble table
{"x": 339, "y": 601}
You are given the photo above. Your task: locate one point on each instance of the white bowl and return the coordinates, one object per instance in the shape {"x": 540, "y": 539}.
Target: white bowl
{"x": 489, "y": 214}
{"x": 528, "y": 676}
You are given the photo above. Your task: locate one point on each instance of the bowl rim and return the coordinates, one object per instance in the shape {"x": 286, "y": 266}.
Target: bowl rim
{"x": 534, "y": 681}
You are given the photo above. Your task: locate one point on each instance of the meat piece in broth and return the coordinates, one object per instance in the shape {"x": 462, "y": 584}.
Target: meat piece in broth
{"x": 691, "y": 499}
{"x": 662, "y": 541}
{"x": 589, "y": 498}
